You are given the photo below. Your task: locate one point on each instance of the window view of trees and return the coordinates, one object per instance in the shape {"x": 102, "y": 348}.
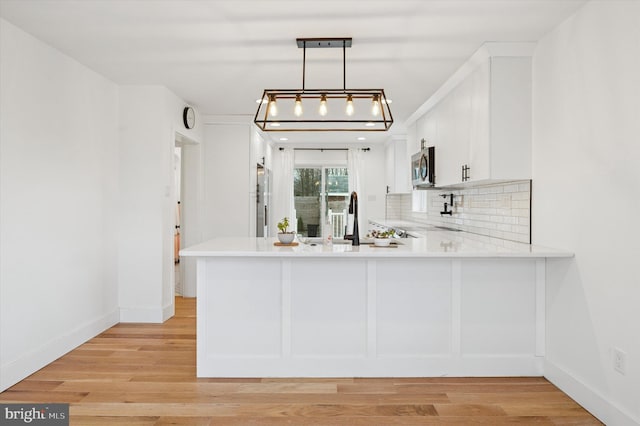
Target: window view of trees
{"x": 306, "y": 182}
{"x": 337, "y": 180}
{"x": 315, "y": 195}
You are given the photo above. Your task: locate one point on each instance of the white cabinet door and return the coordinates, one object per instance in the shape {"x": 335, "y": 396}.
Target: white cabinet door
{"x": 447, "y": 153}
{"x": 397, "y": 167}
{"x": 453, "y": 134}
{"x": 427, "y": 129}
{"x": 510, "y": 118}
{"x": 485, "y": 124}
{"x": 389, "y": 168}
{"x": 462, "y": 131}
{"x": 478, "y": 161}
{"x": 402, "y": 166}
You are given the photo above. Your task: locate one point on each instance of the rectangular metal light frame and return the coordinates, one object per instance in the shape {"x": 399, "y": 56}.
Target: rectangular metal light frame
{"x": 268, "y": 123}
{"x": 380, "y": 124}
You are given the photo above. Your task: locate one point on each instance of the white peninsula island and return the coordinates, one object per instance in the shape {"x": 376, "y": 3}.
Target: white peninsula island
{"x": 448, "y": 304}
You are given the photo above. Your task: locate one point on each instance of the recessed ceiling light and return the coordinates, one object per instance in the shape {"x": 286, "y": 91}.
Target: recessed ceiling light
{"x": 388, "y": 101}
{"x": 284, "y": 139}
{"x": 362, "y": 138}
{"x": 274, "y": 124}
{"x": 370, "y": 124}
{"x": 264, "y": 101}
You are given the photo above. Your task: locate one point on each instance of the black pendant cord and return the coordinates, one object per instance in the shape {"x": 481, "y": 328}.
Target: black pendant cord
{"x": 304, "y": 62}
{"x": 344, "y": 65}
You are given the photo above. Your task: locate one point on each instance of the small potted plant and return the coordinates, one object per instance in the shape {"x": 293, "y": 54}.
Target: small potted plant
{"x": 382, "y": 238}
{"x": 285, "y": 236}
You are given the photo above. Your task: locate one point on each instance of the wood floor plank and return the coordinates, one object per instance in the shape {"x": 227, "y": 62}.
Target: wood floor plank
{"x": 499, "y": 397}
{"x": 469, "y": 410}
{"x": 299, "y": 388}
{"x": 586, "y": 420}
{"x": 144, "y": 374}
{"x": 186, "y": 421}
{"x": 451, "y": 380}
{"x": 37, "y": 385}
{"x": 255, "y": 410}
{"x": 373, "y": 421}
{"x": 38, "y": 396}
{"x": 112, "y": 420}
{"x": 145, "y": 387}
{"x": 335, "y": 380}
{"x": 549, "y": 408}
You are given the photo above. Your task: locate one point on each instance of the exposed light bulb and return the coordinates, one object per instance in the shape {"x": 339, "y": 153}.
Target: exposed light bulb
{"x": 323, "y": 105}
{"x": 273, "y": 108}
{"x": 375, "y": 105}
{"x": 350, "y": 105}
{"x": 297, "y": 109}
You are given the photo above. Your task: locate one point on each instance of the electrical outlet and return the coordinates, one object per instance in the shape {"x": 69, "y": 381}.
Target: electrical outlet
{"x": 619, "y": 361}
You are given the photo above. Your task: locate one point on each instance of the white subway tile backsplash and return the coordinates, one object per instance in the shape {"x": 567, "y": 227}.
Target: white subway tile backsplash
{"x": 511, "y": 188}
{"x": 520, "y": 212}
{"x": 524, "y": 195}
{"x": 498, "y": 210}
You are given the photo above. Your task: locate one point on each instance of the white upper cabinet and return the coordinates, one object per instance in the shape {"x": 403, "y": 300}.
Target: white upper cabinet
{"x": 480, "y": 119}
{"x": 397, "y": 167}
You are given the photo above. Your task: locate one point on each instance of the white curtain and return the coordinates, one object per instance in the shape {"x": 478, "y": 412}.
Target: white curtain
{"x": 282, "y": 200}
{"x": 355, "y": 169}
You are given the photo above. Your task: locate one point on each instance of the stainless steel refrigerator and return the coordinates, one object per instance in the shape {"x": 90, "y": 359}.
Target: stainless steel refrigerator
{"x": 262, "y": 201}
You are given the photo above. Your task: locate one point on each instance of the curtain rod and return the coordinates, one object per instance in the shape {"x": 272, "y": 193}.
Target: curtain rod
{"x": 325, "y": 149}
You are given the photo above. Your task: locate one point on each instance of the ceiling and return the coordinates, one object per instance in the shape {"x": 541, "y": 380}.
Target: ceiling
{"x": 220, "y": 55}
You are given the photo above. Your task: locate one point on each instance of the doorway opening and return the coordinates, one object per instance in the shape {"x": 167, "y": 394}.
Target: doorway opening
{"x": 177, "y": 169}
{"x": 185, "y": 203}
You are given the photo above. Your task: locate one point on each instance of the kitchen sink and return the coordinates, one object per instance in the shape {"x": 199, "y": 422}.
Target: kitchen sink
{"x": 446, "y": 228}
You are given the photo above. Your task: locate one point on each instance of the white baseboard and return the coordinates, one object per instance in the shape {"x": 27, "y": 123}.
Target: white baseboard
{"x": 594, "y": 402}
{"x": 147, "y": 315}
{"x": 16, "y": 370}
{"x": 168, "y": 311}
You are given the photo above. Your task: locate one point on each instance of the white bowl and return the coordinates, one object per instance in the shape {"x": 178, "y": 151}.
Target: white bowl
{"x": 286, "y": 238}
{"x": 382, "y": 242}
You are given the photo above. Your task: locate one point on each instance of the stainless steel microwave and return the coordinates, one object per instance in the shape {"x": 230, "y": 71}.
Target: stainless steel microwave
{"x": 423, "y": 168}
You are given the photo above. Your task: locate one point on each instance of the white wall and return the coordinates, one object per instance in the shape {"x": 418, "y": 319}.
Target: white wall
{"x": 227, "y": 168}
{"x": 58, "y": 193}
{"x": 149, "y": 119}
{"x": 586, "y": 198}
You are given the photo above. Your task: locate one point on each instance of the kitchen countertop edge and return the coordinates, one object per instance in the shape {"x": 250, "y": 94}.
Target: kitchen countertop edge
{"x": 443, "y": 244}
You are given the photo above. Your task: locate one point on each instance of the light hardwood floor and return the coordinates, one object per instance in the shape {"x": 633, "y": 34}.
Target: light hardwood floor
{"x": 144, "y": 374}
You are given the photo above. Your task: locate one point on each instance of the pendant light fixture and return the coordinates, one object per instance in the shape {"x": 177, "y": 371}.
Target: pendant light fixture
{"x": 272, "y": 107}
{"x": 297, "y": 109}
{"x": 323, "y": 105}
{"x": 375, "y": 106}
{"x": 349, "y": 110}
{"x": 343, "y": 109}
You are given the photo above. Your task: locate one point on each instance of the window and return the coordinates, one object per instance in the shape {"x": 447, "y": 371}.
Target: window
{"x": 321, "y": 196}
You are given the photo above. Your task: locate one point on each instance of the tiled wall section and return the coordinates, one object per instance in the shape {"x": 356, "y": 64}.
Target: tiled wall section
{"x": 498, "y": 210}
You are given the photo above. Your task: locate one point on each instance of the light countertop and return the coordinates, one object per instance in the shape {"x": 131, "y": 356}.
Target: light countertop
{"x": 434, "y": 243}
